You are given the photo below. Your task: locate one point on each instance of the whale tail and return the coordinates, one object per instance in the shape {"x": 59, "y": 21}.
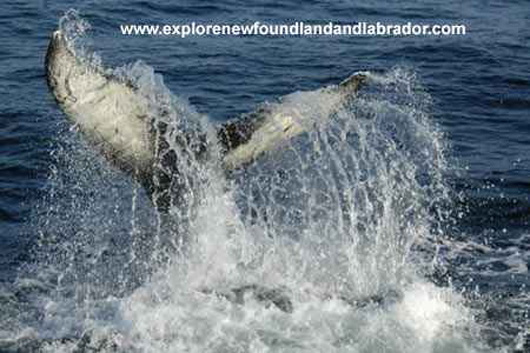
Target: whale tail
{"x": 115, "y": 117}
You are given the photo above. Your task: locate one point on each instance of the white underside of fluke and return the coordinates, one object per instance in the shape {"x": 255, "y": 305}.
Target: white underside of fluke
{"x": 113, "y": 115}
{"x": 294, "y": 115}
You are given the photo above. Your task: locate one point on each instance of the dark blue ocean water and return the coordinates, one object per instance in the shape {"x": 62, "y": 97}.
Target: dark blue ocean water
{"x": 479, "y": 83}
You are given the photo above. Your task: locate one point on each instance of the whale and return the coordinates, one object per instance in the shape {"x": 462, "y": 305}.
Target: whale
{"x": 116, "y": 119}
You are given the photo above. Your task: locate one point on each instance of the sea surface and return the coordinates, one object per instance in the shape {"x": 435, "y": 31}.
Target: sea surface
{"x": 419, "y": 195}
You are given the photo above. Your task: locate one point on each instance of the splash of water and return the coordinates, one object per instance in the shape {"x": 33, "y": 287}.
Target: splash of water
{"x": 331, "y": 218}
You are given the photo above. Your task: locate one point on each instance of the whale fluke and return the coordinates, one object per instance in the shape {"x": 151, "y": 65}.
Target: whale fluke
{"x": 116, "y": 119}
